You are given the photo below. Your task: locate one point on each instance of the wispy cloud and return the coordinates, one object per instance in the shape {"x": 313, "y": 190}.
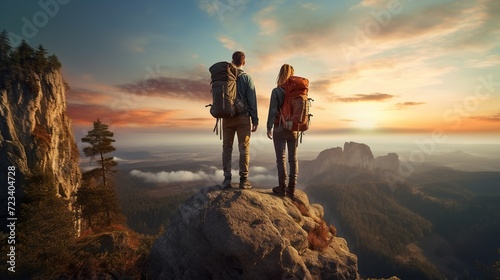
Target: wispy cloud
{"x": 485, "y": 62}
{"x": 371, "y": 4}
{"x": 321, "y": 86}
{"x": 491, "y": 118}
{"x": 347, "y": 120}
{"x": 434, "y": 28}
{"x": 228, "y": 43}
{"x": 267, "y": 23}
{"x": 80, "y": 114}
{"x": 88, "y": 96}
{"x": 403, "y": 105}
{"x": 223, "y": 9}
{"x": 194, "y": 89}
{"x": 451, "y": 25}
{"x": 377, "y": 97}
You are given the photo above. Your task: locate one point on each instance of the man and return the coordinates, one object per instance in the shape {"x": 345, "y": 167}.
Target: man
{"x": 240, "y": 125}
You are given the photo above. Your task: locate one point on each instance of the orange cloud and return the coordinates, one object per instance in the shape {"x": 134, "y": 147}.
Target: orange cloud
{"x": 346, "y": 120}
{"x": 376, "y": 96}
{"x": 492, "y": 118}
{"x": 88, "y": 96}
{"x": 400, "y": 106}
{"x": 83, "y": 115}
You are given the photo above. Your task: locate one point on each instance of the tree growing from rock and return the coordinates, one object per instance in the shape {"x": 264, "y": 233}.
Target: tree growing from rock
{"x": 97, "y": 197}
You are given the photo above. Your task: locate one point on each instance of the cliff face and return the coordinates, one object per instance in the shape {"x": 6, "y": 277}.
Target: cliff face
{"x": 356, "y": 154}
{"x": 250, "y": 234}
{"x": 36, "y": 135}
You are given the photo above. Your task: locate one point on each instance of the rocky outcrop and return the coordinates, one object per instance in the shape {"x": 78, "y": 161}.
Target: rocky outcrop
{"x": 389, "y": 162}
{"x": 354, "y": 154}
{"x": 358, "y": 155}
{"x": 355, "y": 159}
{"x": 250, "y": 234}
{"x": 36, "y": 134}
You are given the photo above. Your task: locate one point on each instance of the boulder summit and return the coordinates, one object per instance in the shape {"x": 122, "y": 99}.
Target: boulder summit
{"x": 250, "y": 234}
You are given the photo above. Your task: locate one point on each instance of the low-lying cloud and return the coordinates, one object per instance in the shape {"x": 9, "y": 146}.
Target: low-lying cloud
{"x": 258, "y": 175}
{"x": 171, "y": 177}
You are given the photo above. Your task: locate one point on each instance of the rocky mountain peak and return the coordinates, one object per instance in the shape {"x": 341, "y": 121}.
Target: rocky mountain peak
{"x": 355, "y": 162}
{"x": 358, "y": 155}
{"x": 388, "y": 162}
{"x": 354, "y": 154}
{"x": 250, "y": 234}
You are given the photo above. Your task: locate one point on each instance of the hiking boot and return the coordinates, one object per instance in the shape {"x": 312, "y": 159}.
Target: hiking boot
{"x": 226, "y": 184}
{"x": 245, "y": 184}
{"x": 279, "y": 190}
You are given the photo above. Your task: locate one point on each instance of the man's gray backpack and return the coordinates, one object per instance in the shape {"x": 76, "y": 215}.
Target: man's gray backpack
{"x": 225, "y": 101}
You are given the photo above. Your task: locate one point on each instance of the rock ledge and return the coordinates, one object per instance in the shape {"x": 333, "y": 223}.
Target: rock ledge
{"x": 250, "y": 234}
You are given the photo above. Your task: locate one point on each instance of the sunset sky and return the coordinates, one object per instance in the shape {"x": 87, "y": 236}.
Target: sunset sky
{"x": 381, "y": 67}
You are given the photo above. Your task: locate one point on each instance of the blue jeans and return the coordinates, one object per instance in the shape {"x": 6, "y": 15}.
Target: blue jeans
{"x": 282, "y": 139}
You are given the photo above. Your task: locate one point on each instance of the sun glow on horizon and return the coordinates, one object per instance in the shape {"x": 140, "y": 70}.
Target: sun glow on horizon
{"x": 365, "y": 124}
{"x": 363, "y": 117}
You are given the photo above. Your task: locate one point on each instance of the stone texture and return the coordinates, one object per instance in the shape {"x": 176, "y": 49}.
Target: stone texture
{"x": 389, "y": 162}
{"x": 36, "y": 134}
{"x": 247, "y": 234}
{"x": 358, "y": 155}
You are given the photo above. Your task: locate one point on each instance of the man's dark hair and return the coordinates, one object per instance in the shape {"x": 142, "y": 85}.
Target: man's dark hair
{"x": 238, "y": 58}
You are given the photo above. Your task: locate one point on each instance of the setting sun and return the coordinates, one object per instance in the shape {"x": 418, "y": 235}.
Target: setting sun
{"x": 365, "y": 124}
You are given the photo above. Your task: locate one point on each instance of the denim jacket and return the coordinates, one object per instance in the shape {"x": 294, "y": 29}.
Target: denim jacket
{"x": 275, "y": 103}
{"x": 246, "y": 91}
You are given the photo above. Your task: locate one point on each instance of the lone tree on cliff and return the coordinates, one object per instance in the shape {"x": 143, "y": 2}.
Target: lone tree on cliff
{"x": 97, "y": 196}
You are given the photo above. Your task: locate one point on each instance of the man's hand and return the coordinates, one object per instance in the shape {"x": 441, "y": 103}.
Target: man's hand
{"x": 254, "y": 127}
{"x": 270, "y": 134}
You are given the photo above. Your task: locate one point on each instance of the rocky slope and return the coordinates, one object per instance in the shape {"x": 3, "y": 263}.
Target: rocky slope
{"x": 250, "y": 234}
{"x": 36, "y": 134}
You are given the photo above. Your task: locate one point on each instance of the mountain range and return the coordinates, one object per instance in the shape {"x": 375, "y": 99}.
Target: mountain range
{"x": 437, "y": 223}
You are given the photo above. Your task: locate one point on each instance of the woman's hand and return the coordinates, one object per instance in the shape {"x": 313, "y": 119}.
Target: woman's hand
{"x": 270, "y": 134}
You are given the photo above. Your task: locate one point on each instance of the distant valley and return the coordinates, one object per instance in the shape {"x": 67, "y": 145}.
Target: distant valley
{"x": 438, "y": 222}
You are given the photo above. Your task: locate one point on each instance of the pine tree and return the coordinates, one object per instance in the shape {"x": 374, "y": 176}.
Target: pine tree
{"x": 100, "y": 139}
{"x": 26, "y": 54}
{"x": 5, "y": 49}
{"x": 53, "y": 62}
{"x": 40, "y": 60}
{"x": 46, "y": 231}
{"x": 97, "y": 194}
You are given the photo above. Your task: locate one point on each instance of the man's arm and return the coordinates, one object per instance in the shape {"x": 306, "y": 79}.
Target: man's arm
{"x": 252, "y": 103}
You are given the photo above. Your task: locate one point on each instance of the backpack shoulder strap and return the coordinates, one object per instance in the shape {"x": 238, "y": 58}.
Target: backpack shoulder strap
{"x": 240, "y": 73}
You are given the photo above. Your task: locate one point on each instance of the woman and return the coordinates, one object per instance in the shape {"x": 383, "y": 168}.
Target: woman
{"x": 281, "y": 137}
